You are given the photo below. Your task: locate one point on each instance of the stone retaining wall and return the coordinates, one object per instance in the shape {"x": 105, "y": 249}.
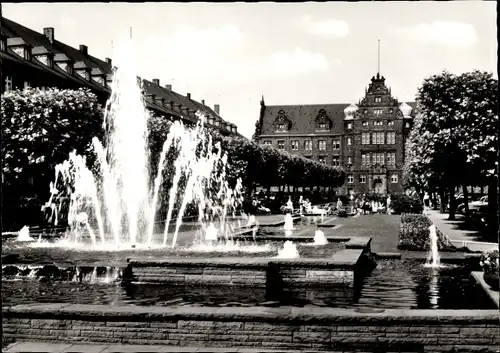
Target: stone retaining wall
{"x": 256, "y": 272}
{"x": 294, "y": 328}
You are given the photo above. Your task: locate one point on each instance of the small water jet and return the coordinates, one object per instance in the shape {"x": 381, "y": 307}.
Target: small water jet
{"x": 24, "y": 234}
{"x": 289, "y": 251}
{"x": 433, "y": 260}
{"x": 319, "y": 238}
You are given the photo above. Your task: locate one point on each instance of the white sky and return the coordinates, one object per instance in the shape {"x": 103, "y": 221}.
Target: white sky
{"x": 292, "y": 53}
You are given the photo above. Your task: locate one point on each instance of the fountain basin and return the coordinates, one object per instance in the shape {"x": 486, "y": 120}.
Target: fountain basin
{"x": 285, "y": 328}
{"x": 341, "y": 269}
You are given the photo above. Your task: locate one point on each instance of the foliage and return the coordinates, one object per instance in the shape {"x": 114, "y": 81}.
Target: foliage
{"x": 414, "y": 233}
{"x": 489, "y": 261}
{"x": 402, "y": 203}
{"x": 454, "y": 131}
{"x": 40, "y": 128}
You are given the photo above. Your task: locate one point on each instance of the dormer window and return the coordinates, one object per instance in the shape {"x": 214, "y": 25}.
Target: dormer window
{"x": 43, "y": 55}
{"x": 378, "y": 99}
{"x": 19, "y": 47}
{"x": 281, "y": 123}
{"x": 98, "y": 76}
{"x": 322, "y": 126}
{"x": 3, "y": 43}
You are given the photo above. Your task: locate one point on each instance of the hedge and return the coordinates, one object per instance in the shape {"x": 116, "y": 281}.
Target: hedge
{"x": 414, "y": 234}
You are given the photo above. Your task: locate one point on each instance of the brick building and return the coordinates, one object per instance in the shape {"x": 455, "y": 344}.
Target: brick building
{"x": 366, "y": 139}
{"x": 33, "y": 59}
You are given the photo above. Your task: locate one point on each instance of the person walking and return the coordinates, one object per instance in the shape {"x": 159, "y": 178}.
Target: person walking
{"x": 426, "y": 201}
{"x": 388, "y": 204}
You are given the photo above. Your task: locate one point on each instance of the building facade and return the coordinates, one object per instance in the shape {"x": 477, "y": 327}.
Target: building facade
{"x": 366, "y": 139}
{"x": 32, "y": 59}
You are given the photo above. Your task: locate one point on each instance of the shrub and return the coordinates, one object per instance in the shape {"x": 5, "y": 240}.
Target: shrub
{"x": 414, "y": 233}
{"x": 489, "y": 262}
{"x": 402, "y": 203}
{"x": 342, "y": 213}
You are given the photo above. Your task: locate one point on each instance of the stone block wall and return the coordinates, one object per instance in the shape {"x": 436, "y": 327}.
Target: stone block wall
{"x": 291, "y": 328}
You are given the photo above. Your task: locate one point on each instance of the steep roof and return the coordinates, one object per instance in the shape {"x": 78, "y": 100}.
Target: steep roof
{"x": 12, "y": 29}
{"x": 302, "y": 117}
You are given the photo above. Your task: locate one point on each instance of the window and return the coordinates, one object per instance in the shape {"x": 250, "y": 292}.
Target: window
{"x": 350, "y": 179}
{"x": 349, "y": 125}
{"x": 8, "y": 83}
{"x": 378, "y": 138}
{"x": 322, "y": 159}
{"x": 391, "y": 111}
{"x": 308, "y": 145}
{"x": 322, "y": 145}
{"x": 378, "y": 123}
{"x": 281, "y": 145}
{"x": 335, "y": 161}
{"x": 378, "y": 111}
{"x": 349, "y": 141}
{"x": 378, "y": 158}
{"x": 2, "y": 44}
{"x": 378, "y": 99}
{"x": 390, "y": 123}
{"x": 365, "y": 159}
{"x": 394, "y": 178}
{"x": 391, "y": 158}
{"x": 295, "y": 145}
{"x": 267, "y": 143}
{"x": 365, "y": 138}
{"x": 322, "y": 126}
{"x": 281, "y": 126}
{"x": 84, "y": 74}
{"x": 362, "y": 178}
{"x": 365, "y": 111}
{"x": 26, "y": 85}
{"x": 349, "y": 160}
{"x": 364, "y": 123}
{"x": 391, "y": 138}
{"x": 407, "y": 125}
{"x": 336, "y": 144}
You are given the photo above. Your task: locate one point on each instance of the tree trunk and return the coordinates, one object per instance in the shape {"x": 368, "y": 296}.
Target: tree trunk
{"x": 442, "y": 200}
{"x": 451, "y": 211}
{"x": 493, "y": 209}
{"x": 466, "y": 200}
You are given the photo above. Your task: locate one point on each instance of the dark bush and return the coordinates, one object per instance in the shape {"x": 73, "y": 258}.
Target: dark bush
{"x": 342, "y": 213}
{"x": 402, "y": 203}
{"x": 414, "y": 233}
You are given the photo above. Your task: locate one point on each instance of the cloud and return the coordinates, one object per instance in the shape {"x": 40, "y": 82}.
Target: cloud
{"x": 452, "y": 34}
{"x": 297, "y": 61}
{"x": 327, "y": 28}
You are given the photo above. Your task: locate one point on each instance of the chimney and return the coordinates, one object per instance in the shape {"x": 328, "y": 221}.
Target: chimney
{"x": 156, "y": 81}
{"x": 217, "y": 109}
{"x": 203, "y": 101}
{"x": 84, "y": 49}
{"x": 188, "y": 96}
{"x": 49, "y": 33}
{"x": 168, "y": 87}
{"x": 108, "y": 61}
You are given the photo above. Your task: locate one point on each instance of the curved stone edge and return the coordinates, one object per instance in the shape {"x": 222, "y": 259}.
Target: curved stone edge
{"x": 284, "y": 314}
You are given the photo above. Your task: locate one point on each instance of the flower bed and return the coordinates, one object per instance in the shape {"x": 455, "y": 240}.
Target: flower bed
{"x": 414, "y": 234}
{"x": 489, "y": 264}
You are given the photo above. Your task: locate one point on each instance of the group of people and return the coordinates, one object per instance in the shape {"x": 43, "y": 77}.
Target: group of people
{"x": 363, "y": 206}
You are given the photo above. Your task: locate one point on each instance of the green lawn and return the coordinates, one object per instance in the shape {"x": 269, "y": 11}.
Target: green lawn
{"x": 383, "y": 229}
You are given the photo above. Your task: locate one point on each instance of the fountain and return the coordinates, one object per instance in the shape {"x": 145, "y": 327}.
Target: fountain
{"x": 319, "y": 238}
{"x": 118, "y": 205}
{"x": 288, "y": 226}
{"x": 24, "y": 234}
{"x": 289, "y": 251}
{"x": 433, "y": 260}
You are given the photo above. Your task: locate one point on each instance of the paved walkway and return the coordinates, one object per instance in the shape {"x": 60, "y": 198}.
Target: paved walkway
{"x": 25, "y": 347}
{"x": 458, "y": 237}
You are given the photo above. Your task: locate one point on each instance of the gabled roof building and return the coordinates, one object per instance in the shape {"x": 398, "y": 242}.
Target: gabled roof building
{"x": 33, "y": 59}
{"x": 366, "y": 139}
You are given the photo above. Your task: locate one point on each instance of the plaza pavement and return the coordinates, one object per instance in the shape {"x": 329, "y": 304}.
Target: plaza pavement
{"x": 25, "y": 347}
{"x": 458, "y": 237}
